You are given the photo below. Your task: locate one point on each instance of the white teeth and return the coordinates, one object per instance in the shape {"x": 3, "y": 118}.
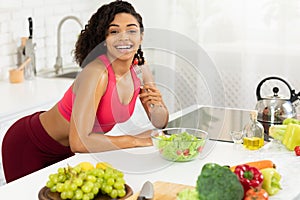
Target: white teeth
{"x": 123, "y": 47}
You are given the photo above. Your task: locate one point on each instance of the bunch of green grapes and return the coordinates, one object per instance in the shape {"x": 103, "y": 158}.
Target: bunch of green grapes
{"x": 76, "y": 183}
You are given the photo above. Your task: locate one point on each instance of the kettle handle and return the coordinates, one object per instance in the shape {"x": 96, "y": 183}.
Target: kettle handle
{"x": 269, "y": 78}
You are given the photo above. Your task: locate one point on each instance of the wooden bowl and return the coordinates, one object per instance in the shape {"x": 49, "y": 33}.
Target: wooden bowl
{"x": 46, "y": 194}
{"x": 16, "y": 76}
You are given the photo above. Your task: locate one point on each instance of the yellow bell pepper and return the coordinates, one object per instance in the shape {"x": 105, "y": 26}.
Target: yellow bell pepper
{"x": 271, "y": 182}
{"x": 277, "y": 131}
{"x": 292, "y": 136}
{"x": 290, "y": 121}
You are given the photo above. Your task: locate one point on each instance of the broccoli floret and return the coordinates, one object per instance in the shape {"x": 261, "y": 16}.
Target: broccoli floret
{"x": 217, "y": 182}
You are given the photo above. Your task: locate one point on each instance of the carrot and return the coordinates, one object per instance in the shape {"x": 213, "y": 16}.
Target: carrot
{"x": 260, "y": 164}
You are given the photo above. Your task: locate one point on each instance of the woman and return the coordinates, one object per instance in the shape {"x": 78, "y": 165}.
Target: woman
{"x": 103, "y": 94}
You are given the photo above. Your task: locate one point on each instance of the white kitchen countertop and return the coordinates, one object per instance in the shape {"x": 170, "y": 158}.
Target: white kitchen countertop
{"x": 142, "y": 164}
{"x": 39, "y": 92}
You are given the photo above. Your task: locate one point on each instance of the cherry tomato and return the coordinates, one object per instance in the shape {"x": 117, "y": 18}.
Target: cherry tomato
{"x": 256, "y": 194}
{"x": 297, "y": 150}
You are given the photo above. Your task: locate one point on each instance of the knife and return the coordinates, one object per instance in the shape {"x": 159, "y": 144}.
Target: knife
{"x": 147, "y": 191}
{"x": 29, "y": 47}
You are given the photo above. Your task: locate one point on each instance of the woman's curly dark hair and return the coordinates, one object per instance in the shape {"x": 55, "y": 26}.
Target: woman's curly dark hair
{"x": 94, "y": 33}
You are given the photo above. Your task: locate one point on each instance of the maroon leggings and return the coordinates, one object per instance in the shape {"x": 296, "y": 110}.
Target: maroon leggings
{"x": 27, "y": 147}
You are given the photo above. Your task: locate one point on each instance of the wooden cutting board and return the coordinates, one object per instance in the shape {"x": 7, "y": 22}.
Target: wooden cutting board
{"x": 164, "y": 190}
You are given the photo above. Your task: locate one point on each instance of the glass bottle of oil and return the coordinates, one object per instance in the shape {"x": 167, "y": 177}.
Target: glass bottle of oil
{"x": 253, "y": 133}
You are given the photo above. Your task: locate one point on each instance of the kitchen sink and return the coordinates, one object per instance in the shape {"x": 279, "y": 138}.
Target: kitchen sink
{"x": 71, "y": 73}
{"x": 67, "y": 75}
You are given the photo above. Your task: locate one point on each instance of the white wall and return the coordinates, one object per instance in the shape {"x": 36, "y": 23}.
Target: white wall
{"x": 248, "y": 40}
{"x": 46, "y": 15}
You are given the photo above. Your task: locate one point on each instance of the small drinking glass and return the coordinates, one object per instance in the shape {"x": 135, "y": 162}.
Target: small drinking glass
{"x": 237, "y": 136}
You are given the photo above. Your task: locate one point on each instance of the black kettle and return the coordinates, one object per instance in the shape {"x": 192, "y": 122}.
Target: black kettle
{"x": 273, "y": 110}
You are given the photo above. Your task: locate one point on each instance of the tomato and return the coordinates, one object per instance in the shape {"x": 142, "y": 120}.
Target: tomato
{"x": 200, "y": 149}
{"x": 256, "y": 194}
{"x": 297, "y": 150}
{"x": 186, "y": 152}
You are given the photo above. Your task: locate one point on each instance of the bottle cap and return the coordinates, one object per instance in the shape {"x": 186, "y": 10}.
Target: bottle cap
{"x": 253, "y": 114}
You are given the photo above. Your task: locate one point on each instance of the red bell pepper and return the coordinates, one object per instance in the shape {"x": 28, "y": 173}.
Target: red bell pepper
{"x": 250, "y": 177}
{"x": 297, "y": 150}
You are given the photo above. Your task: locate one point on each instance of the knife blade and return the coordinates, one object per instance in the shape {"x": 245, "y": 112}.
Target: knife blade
{"x": 147, "y": 191}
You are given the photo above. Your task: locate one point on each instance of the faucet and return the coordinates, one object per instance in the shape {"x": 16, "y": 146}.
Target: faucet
{"x": 58, "y": 64}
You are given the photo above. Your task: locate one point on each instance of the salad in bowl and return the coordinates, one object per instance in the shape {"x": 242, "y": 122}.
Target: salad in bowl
{"x": 179, "y": 144}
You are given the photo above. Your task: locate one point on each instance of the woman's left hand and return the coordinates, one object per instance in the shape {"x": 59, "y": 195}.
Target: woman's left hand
{"x": 151, "y": 96}
{"x": 152, "y": 101}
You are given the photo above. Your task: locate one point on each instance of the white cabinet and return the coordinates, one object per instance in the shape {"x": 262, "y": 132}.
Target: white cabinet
{"x": 6, "y": 122}
{"x": 18, "y": 100}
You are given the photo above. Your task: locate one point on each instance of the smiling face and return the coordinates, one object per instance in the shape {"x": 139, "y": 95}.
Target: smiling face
{"x": 123, "y": 37}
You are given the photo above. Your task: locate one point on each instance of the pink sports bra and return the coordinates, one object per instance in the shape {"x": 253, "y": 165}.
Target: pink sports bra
{"x": 110, "y": 110}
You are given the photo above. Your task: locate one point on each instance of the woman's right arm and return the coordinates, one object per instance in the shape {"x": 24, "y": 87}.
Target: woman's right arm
{"x": 89, "y": 88}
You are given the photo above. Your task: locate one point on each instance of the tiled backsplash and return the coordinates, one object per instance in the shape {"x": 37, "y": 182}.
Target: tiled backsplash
{"x": 46, "y": 15}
